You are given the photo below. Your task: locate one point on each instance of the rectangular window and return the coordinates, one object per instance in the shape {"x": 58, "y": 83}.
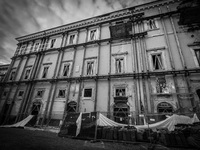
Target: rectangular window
{"x": 27, "y": 73}
{"x": 36, "y": 46}
{"x": 119, "y": 65}
{"x": 161, "y": 85}
{"x": 72, "y": 39}
{"x": 90, "y": 67}
{"x": 157, "y": 62}
{"x": 61, "y": 93}
{"x": 52, "y": 43}
{"x": 39, "y": 93}
{"x": 93, "y": 35}
{"x": 23, "y": 49}
{"x": 45, "y": 71}
{"x": 21, "y": 93}
{"x": 197, "y": 53}
{"x": 151, "y": 24}
{"x": 66, "y": 70}
{"x": 88, "y": 92}
{"x": 120, "y": 92}
{"x": 12, "y": 75}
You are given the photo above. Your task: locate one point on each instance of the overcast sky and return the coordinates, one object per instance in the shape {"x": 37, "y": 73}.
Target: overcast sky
{"x": 22, "y": 17}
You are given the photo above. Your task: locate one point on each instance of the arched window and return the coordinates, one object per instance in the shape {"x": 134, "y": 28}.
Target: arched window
{"x": 164, "y": 108}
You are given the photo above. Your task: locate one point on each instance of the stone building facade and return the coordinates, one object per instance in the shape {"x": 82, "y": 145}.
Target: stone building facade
{"x": 138, "y": 60}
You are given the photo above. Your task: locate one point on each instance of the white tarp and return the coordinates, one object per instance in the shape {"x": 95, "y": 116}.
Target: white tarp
{"x": 104, "y": 121}
{"x": 170, "y": 122}
{"x": 21, "y": 123}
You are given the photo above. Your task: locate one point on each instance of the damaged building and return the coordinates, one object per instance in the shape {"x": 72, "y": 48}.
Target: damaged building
{"x": 139, "y": 60}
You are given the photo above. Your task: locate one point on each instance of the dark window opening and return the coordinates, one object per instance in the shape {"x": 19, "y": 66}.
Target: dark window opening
{"x": 151, "y": 24}
{"x": 93, "y": 35}
{"x": 119, "y": 65}
{"x": 121, "y": 112}
{"x": 39, "y": 94}
{"x": 90, "y": 67}
{"x": 71, "y": 106}
{"x": 12, "y": 75}
{"x": 66, "y": 70}
{"x": 71, "y": 39}
{"x": 21, "y": 93}
{"x": 45, "y": 71}
{"x": 61, "y": 93}
{"x": 157, "y": 61}
{"x": 5, "y": 94}
{"x": 161, "y": 85}
{"x": 87, "y": 92}
{"x": 120, "y": 92}
{"x": 27, "y": 73}
{"x": 52, "y": 43}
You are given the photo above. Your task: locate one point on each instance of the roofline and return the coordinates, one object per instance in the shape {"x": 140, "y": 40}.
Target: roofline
{"x": 132, "y": 7}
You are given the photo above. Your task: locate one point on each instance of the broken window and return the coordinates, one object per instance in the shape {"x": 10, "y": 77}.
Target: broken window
{"x": 88, "y": 92}
{"x": 45, "y": 71}
{"x": 157, "y": 62}
{"x": 93, "y": 35}
{"x": 21, "y": 93}
{"x": 61, "y": 93}
{"x": 151, "y": 24}
{"x": 90, "y": 67}
{"x": 12, "y": 75}
{"x": 197, "y": 53}
{"x": 66, "y": 70}
{"x": 72, "y": 39}
{"x": 52, "y": 43}
{"x": 39, "y": 93}
{"x": 27, "y": 73}
{"x": 119, "y": 65}
{"x": 119, "y": 92}
{"x": 161, "y": 85}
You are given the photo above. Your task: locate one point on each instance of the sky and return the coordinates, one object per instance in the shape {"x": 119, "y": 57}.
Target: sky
{"x": 23, "y": 17}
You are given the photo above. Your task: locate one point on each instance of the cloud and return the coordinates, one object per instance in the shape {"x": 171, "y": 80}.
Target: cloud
{"x": 22, "y": 17}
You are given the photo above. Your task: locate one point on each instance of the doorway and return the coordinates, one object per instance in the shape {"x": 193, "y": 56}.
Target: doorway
{"x": 121, "y": 112}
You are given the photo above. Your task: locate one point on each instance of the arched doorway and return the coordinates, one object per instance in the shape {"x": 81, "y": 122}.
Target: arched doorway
{"x": 71, "y": 106}
{"x": 121, "y": 112}
{"x": 164, "y": 107}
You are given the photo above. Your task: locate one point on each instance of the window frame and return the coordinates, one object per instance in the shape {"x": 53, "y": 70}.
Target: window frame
{"x": 69, "y": 70}
{"x": 95, "y": 36}
{"x": 70, "y": 40}
{"x": 27, "y": 69}
{"x": 52, "y": 43}
{"x": 118, "y": 88}
{"x": 122, "y": 65}
{"x": 88, "y": 73}
{"x": 44, "y": 72}
{"x": 155, "y": 23}
{"x": 42, "y": 93}
{"x": 20, "y": 96}
{"x": 12, "y": 75}
{"x": 60, "y": 96}
{"x": 87, "y": 97}
{"x": 36, "y": 46}
{"x": 161, "y": 62}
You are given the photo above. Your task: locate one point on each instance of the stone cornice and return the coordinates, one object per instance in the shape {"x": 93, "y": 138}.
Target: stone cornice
{"x": 101, "y": 19}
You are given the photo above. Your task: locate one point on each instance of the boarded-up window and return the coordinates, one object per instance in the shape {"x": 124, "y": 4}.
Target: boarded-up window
{"x": 90, "y": 67}
{"x": 66, "y": 70}
{"x": 45, "y": 71}
{"x": 157, "y": 62}
{"x": 121, "y": 30}
{"x": 119, "y": 65}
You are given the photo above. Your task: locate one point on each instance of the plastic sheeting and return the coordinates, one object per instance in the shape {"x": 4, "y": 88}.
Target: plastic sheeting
{"x": 19, "y": 124}
{"x": 104, "y": 121}
{"x": 170, "y": 122}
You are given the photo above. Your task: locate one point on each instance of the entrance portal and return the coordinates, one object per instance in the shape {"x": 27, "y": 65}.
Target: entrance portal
{"x": 121, "y": 112}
